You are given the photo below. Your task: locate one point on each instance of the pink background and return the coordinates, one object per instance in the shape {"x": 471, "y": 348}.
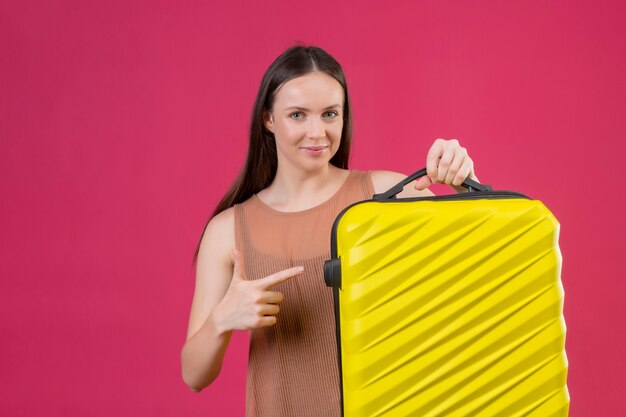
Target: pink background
{"x": 122, "y": 123}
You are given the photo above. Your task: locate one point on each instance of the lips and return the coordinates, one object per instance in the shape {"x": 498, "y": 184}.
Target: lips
{"x": 315, "y": 148}
{"x": 314, "y": 151}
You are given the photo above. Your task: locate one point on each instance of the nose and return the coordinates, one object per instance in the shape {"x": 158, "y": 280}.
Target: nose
{"x": 316, "y": 128}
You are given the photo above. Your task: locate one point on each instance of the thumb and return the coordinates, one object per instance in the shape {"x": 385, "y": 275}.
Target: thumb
{"x": 239, "y": 271}
{"x": 422, "y": 183}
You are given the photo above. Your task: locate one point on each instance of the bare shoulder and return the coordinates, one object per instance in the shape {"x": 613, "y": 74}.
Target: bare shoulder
{"x": 384, "y": 180}
{"x": 220, "y": 233}
{"x": 224, "y": 223}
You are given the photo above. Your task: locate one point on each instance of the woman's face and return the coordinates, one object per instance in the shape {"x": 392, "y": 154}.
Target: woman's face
{"x": 307, "y": 120}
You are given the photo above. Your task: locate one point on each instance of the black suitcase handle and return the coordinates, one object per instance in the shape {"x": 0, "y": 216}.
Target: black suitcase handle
{"x": 471, "y": 185}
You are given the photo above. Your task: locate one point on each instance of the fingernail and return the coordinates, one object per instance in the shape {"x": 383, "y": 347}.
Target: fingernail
{"x": 300, "y": 269}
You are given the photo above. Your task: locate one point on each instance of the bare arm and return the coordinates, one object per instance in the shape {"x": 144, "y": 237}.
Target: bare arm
{"x": 225, "y": 300}
{"x": 203, "y": 351}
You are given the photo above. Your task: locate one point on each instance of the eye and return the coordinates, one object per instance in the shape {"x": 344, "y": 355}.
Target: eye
{"x": 332, "y": 114}
{"x": 297, "y": 113}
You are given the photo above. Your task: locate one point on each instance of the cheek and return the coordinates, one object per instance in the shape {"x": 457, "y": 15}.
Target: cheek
{"x": 337, "y": 131}
{"x": 290, "y": 131}
{"x": 287, "y": 136}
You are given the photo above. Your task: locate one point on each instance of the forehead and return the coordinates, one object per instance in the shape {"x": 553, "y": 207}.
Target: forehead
{"x": 315, "y": 89}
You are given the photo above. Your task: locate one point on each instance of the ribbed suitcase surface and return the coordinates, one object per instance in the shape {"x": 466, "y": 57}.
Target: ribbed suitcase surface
{"x": 450, "y": 306}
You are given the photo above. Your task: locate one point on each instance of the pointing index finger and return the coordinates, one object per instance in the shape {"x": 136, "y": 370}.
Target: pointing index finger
{"x": 278, "y": 277}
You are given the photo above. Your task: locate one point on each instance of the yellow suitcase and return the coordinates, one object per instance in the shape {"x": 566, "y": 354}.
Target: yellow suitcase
{"x": 449, "y": 305}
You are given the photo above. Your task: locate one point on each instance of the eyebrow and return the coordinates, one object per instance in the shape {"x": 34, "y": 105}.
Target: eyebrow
{"x": 302, "y": 108}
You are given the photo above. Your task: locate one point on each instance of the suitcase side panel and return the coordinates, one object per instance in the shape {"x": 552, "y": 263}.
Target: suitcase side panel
{"x": 451, "y": 308}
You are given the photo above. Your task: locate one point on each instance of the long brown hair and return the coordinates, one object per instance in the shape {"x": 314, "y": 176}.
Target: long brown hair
{"x": 261, "y": 162}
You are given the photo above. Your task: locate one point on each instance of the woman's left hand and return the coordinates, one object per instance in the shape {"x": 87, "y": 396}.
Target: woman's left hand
{"x": 447, "y": 162}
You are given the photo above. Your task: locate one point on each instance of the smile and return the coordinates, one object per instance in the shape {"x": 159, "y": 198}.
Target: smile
{"x": 314, "y": 150}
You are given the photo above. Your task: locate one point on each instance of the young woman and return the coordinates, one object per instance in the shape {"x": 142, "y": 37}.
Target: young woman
{"x": 263, "y": 249}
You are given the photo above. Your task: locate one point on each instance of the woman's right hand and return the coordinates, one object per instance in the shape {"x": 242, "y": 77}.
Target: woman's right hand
{"x": 250, "y": 304}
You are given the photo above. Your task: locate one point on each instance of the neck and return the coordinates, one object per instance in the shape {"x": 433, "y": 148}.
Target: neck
{"x": 295, "y": 189}
{"x": 293, "y": 184}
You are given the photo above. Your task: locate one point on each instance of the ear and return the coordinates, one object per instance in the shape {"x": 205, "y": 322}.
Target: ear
{"x": 268, "y": 121}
